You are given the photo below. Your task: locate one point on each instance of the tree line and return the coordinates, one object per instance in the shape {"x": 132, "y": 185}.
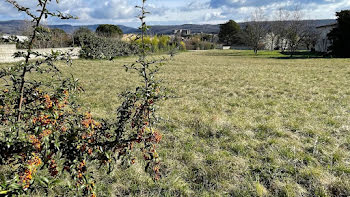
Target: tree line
{"x": 58, "y": 38}
{"x": 288, "y": 31}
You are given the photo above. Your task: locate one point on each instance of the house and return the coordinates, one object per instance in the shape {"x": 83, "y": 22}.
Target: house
{"x": 182, "y": 32}
{"x": 272, "y": 42}
{"x": 323, "y": 42}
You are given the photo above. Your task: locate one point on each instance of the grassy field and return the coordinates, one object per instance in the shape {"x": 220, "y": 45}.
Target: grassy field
{"x": 236, "y": 125}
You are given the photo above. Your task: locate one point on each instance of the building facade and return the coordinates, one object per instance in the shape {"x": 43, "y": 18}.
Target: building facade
{"x": 323, "y": 42}
{"x": 182, "y": 32}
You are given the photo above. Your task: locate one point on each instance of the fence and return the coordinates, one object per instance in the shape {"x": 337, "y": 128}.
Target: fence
{"x": 7, "y": 51}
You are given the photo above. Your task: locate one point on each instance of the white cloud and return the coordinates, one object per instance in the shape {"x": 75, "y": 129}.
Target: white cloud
{"x": 177, "y": 11}
{"x": 114, "y": 9}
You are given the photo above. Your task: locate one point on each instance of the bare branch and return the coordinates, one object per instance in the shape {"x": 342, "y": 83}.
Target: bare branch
{"x": 22, "y": 9}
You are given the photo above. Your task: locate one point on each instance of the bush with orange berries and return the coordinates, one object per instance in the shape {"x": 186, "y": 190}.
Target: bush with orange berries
{"x": 44, "y": 138}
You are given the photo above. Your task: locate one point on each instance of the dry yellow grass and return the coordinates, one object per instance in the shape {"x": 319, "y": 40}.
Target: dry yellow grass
{"x": 237, "y": 125}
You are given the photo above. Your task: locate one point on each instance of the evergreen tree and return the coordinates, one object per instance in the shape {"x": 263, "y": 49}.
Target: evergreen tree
{"x": 109, "y": 31}
{"x": 340, "y": 35}
{"x": 229, "y": 33}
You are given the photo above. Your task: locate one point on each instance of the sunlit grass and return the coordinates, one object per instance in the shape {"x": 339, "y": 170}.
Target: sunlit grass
{"x": 237, "y": 124}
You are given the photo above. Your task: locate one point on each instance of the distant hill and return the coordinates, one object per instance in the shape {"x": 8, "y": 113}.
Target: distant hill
{"x": 314, "y": 23}
{"x": 169, "y": 29}
{"x": 214, "y": 29}
{"x": 12, "y": 27}
{"x": 17, "y": 27}
{"x": 71, "y": 29}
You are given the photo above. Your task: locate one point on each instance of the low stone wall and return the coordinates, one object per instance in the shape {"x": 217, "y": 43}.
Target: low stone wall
{"x": 7, "y": 51}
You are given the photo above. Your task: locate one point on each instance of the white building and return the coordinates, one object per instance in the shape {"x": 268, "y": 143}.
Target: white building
{"x": 7, "y": 37}
{"x": 182, "y": 32}
{"x": 272, "y": 42}
{"x": 323, "y": 42}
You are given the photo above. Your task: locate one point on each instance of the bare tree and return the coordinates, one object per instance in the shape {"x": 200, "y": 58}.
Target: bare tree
{"x": 272, "y": 35}
{"x": 296, "y": 30}
{"x": 279, "y": 28}
{"x": 39, "y": 41}
{"x": 311, "y": 36}
{"x": 289, "y": 31}
{"x": 255, "y": 31}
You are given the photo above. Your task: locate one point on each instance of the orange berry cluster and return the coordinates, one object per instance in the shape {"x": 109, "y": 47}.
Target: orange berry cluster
{"x": 64, "y": 129}
{"x": 35, "y": 161}
{"x": 48, "y": 102}
{"x": 89, "y": 122}
{"x": 156, "y": 169}
{"x": 30, "y": 170}
{"x": 45, "y": 133}
{"x": 157, "y": 137}
{"x": 26, "y": 178}
{"x": 81, "y": 170}
{"x": 36, "y": 142}
{"x": 133, "y": 161}
{"x": 43, "y": 120}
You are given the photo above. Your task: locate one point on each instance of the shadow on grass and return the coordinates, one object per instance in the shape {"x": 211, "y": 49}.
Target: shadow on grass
{"x": 301, "y": 55}
{"x": 268, "y": 54}
{"x": 242, "y": 53}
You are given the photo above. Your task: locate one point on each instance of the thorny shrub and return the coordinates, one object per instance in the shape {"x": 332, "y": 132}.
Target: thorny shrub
{"x": 44, "y": 136}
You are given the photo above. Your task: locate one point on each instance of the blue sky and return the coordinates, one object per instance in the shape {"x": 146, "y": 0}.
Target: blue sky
{"x": 178, "y": 11}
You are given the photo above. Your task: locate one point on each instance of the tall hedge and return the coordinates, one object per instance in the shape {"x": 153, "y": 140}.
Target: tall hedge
{"x": 94, "y": 47}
